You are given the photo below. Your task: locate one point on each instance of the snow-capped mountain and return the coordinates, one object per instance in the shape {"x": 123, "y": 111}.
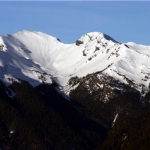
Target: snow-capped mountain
{"x": 107, "y": 82}
{"x": 37, "y": 57}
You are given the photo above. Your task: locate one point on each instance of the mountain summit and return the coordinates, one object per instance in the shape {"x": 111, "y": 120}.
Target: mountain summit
{"x": 37, "y": 57}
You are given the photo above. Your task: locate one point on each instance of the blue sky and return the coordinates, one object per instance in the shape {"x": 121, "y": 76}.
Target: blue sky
{"x": 68, "y": 21}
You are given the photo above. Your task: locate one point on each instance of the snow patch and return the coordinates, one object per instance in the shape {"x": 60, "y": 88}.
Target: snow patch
{"x": 116, "y": 116}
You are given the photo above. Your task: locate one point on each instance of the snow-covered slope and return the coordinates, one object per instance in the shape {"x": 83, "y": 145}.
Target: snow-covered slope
{"x": 34, "y": 56}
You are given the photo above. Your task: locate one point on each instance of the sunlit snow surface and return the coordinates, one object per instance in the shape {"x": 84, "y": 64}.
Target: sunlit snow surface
{"x": 28, "y": 55}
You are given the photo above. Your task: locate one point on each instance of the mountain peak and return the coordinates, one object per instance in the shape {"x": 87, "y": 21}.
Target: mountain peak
{"x": 34, "y": 34}
{"x": 96, "y": 36}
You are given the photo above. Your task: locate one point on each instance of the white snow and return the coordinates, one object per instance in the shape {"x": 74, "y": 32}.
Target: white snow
{"x": 28, "y": 55}
{"x": 116, "y": 116}
{"x": 11, "y": 132}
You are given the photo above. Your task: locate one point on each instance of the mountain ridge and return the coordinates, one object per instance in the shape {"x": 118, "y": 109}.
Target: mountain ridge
{"x": 29, "y": 55}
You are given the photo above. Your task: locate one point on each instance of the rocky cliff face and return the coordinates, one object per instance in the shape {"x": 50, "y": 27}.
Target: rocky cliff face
{"x": 106, "y": 87}
{"x": 108, "y": 99}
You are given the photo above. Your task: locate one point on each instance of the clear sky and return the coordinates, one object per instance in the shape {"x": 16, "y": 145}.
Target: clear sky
{"x": 68, "y": 21}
